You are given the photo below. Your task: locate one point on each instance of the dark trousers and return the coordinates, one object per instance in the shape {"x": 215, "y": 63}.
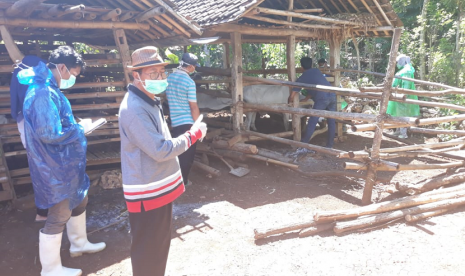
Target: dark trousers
{"x": 151, "y": 239}
{"x": 187, "y": 158}
{"x": 59, "y": 214}
{"x": 329, "y": 104}
{"x": 42, "y": 212}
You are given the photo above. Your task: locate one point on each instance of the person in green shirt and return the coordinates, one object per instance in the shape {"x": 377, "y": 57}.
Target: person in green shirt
{"x": 397, "y": 109}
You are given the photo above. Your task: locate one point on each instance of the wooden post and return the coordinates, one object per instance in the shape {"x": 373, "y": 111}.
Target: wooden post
{"x": 292, "y": 77}
{"x": 13, "y": 50}
{"x": 226, "y": 54}
{"x": 226, "y": 61}
{"x": 371, "y": 173}
{"x": 334, "y": 61}
{"x": 125, "y": 54}
{"x": 237, "y": 85}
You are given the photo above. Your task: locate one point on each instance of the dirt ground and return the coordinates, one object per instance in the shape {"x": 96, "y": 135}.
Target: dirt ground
{"x": 214, "y": 220}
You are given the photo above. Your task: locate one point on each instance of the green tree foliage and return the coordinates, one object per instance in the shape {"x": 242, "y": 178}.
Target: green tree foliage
{"x": 443, "y": 45}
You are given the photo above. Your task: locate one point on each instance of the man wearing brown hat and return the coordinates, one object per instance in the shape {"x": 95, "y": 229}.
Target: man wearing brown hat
{"x": 152, "y": 178}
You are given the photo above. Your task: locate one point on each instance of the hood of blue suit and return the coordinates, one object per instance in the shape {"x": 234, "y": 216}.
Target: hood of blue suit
{"x": 39, "y": 74}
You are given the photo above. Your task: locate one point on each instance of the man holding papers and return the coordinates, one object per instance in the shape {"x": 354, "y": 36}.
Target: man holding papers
{"x": 152, "y": 177}
{"x": 56, "y": 150}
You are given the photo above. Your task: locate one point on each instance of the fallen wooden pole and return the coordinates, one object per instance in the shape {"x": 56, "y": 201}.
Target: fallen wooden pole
{"x": 332, "y": 152}
{"x": 401, "y": 167}
{"x": 417, "y": 217}
{"x": 236, "y": 156}
{"x": 382, "y": 207}
{"x": 437, "y": 131}
{"x": 345, "y": 226}
{"x": 421, "y": 122}
{"x": 207, "y": 169}
{"x": 213, "y": 133}
{"x": 240, "y": 147}
{"x": 254, "y": 138}
{"x": 418, "y": 153}
{"x": 273, "y": 161}
{"x": 413, "y": 189}
{"x": 433, "y": 121}
{"x": 423, "y": 146}
{"x": 261, "y": 233}
{"x": 339, "y": 174}
{"x": 273, "y": 155}
{"x": 310, "y": 231}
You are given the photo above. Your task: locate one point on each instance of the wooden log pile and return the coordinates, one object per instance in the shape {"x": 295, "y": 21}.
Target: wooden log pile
{"x": 409, "y": 208}
{"x": 238, "y": 149}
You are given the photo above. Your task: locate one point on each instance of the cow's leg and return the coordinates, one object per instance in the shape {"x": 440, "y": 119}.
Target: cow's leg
{"x": 252, "y": 118}
{"x": 286, "y": 117}
{"x": 248, "y": 116}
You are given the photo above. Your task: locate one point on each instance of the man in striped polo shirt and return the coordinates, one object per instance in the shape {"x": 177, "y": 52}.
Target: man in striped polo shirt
{"x": 182, "y": 100}
{"x": 151, "y": 175}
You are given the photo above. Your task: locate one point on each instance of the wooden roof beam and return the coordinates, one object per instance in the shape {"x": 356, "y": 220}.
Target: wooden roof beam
{"x": 371, "y": 11}
{"x": 126, "y": 16}
{"x": 305, "y": 16}
{"x": 192, "y": 26}
{"x": 282, "y": 22}
{"x": 38, "y": 23}
{"x": 307, "y": 10}
{"x": 326, "y": 7}
{"x": 257, "y": 31}
{"x": 382, "y": 12}
{"x": 151, "y": 13}
{"x": 346, "y": 8}
{"x": 334, "y": 4}
{"x": 60, "y": 10}
{"x": 111, "y": 14}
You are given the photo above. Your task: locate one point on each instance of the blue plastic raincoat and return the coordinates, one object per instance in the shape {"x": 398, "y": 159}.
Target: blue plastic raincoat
{"x": 56, "y": 145}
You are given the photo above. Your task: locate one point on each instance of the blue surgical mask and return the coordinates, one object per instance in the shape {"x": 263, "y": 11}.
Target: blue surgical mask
{"x": 155, "y": 86}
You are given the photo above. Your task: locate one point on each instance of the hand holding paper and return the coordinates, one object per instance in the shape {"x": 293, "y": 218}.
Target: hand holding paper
{"x": 90, "y": 126}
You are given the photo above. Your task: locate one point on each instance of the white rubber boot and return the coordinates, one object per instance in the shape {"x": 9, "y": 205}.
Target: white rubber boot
{"x": 77, "y": 235}
{"x": 49, "y": 254}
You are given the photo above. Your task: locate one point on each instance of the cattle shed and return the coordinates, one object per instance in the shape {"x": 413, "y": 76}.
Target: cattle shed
{"x": 277, "y": 21}
{"x": 111, "y": 28}
{"x": 115, "y": 27}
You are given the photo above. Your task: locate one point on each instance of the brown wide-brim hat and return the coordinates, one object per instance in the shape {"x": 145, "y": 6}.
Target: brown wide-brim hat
{"x": 146, "y": 57}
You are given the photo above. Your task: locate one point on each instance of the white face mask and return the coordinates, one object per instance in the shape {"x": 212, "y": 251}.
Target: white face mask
{"x": 154, "y": 86}
{"x": 65, "y": 84}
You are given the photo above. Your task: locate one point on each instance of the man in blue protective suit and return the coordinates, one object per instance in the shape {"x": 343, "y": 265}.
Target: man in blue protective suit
{"x": 56, "y": 150}
{"x": 17, "y": 95}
